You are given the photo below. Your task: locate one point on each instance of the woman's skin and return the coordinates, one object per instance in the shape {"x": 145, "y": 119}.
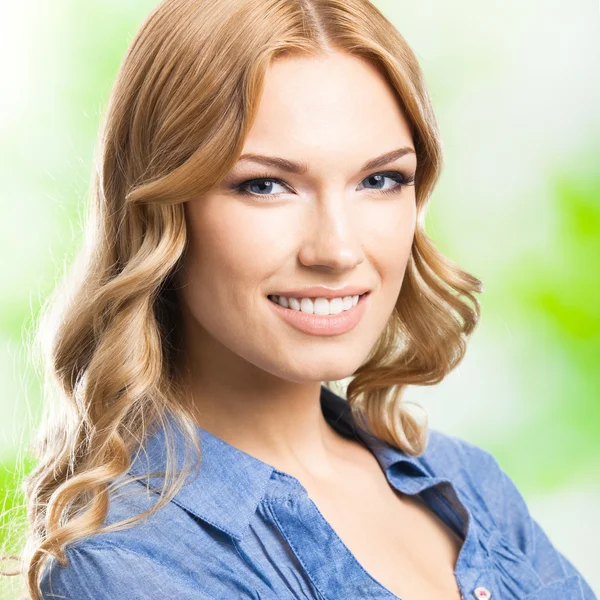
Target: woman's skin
{"x": 254, "y": 379}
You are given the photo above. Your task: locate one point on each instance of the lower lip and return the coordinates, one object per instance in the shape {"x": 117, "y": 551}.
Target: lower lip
{"x": 323, "y": 324}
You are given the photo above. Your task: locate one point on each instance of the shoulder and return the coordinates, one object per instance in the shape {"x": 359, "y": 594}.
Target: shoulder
{"x": 136, "y": 562}
{"x": 475, "y": 474}
{"x": 171, "y": 553}
{"x": 452, "y": 456}
{"x": 104, "y": 570}
{"x": 490, "y": 493}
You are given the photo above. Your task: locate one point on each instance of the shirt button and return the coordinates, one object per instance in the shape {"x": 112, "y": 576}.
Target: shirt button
{"x": 482, "y": 593}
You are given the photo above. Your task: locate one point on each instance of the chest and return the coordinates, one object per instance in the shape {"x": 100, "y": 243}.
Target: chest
{"x": 395, "y": 537}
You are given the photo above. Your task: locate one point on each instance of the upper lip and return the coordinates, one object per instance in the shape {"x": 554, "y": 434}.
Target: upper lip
{"x": 319, "y": 291}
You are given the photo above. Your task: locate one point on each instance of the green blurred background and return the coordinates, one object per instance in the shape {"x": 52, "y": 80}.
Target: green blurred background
{"x": 516, "y": 89}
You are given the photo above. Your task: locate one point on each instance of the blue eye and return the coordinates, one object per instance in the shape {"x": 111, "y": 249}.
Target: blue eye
{"x": 265, "y": 183}
{"x": 400, "y": 179}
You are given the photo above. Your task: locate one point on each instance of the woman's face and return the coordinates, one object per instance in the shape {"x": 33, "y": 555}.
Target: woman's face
{"x": 333, "y": 225}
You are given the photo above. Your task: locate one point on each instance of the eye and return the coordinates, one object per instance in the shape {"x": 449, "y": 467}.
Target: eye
{"x": 261, "y": 184}
{"x": 264, "y": 183}
{"x": 399, "y": 178}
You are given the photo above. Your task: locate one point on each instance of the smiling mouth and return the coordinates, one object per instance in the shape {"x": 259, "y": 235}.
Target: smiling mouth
{"x": 346, "y": 317}
{"x": 272, "y": 297}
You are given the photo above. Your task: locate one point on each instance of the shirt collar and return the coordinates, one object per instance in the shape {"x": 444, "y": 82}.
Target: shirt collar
{"x": 231, "y": 483}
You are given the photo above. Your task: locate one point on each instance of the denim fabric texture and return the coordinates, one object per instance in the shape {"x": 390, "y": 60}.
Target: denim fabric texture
{"x": 243, "y": 529}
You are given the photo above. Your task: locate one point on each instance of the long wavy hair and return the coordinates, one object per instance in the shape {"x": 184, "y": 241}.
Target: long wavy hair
{"x": 108, "y": 338}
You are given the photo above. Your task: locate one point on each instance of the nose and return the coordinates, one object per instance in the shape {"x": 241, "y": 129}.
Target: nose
{"x": 331, "y": 239}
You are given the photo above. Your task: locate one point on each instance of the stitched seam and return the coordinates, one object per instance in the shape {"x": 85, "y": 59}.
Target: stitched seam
{"x": 107, "y": 545}
{"x": 201, "y": 517}
{"x": 459, "y": 572}
{"x": 293, "y": 547}
{"x": 451, "y": 513}
{"x": 236, "y": 545}
{"x": 351, "y": 555}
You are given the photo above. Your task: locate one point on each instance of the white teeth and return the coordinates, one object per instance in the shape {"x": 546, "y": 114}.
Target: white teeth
{"x": 320, "y": 306}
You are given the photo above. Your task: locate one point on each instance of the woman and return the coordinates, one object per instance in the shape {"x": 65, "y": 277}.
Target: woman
{"x": 257, "y": 231}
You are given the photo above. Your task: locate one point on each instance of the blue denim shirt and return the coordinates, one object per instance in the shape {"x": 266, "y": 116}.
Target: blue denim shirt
{"x": 243, "y": 529}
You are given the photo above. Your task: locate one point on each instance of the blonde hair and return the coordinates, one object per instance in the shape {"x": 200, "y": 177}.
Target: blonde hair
{"x": 182, "y": 104}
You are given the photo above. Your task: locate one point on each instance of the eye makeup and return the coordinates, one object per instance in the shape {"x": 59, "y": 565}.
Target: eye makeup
{"x": 402, "y": 180}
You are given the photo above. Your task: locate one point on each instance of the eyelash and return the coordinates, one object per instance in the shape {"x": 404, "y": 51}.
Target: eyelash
{"x": 400, "y": 178}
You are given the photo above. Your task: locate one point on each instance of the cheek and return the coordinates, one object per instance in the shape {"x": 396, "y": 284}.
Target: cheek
{"x": 391, "y": 229}
{"x": 232, "y": 249}
{"x": 390, "y": 237}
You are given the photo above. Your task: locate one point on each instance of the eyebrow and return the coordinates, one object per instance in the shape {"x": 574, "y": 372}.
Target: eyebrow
{"x": 301, "y": 168}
